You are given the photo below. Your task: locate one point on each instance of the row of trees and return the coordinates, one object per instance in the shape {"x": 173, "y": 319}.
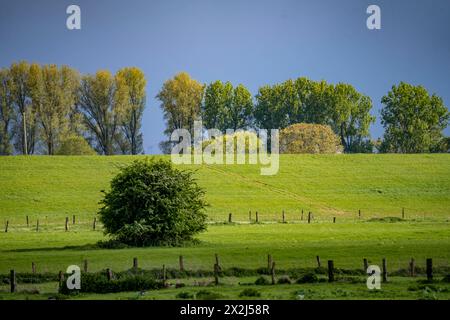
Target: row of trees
{"x": 55, "y": 110}
{"x": 340, "y": 106}
{"x": 413, "y": 119}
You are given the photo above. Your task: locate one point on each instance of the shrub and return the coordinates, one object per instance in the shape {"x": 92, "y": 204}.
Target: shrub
{"x": 442, "y": 146}
{"x": 263, "y": 270}
{"x": 308, "y": 278}
{"x": 75, "y": 145}
{"x": 250, "y": 292}
{"x": 238, "y": 272}
{"x": 30, "y": 278}
{"x": 320, "y": 270}
{"x": 262, "y": 281}
{"x": 184, "y": 295}
{"x": 151, "y": 203}
{"x": 249, "y": 139}
{"x": 98, "y": 283}
{"x": 284, "y": 280}
{"x": 386, "y": 219}
{"x": 309, "y": 138}
{"x": 208, "y": 295}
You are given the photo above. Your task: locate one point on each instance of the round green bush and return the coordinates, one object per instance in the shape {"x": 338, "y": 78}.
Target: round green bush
{"x": 308, "y": 278}
{"x": 208, "y": 295}
{"x": 152, "y": 203}
{"x": 250, "y": 292}
{"x": 284, "y": 280}
{"x": 184, "y": 295}
{"x": 262, "y": 281}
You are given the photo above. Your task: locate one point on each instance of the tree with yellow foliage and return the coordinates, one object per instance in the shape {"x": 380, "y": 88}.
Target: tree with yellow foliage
{"x": 309, "y": 138}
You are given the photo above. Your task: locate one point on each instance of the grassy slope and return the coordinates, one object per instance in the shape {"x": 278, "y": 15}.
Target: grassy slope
{"x": 52, "y": 188}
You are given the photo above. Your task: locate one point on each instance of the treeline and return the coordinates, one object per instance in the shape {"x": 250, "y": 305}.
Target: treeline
{"x": 413, "y": 119}
{"x": 49, "y": 109}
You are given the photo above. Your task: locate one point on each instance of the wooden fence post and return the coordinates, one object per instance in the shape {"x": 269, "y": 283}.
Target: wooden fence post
{"x": 250, "y": 216}
{"x": 334, "y": 219}
{"x": 412, "y": 268}
{"x": 217, "y": 261}
{"x": 384, "y": 270}
{"x": 318, "y": 261}
{"x": 27, "y": 222}
{"x": 67, "y": 224}
{"x": 272, "y": 272}
{"x": 7, "y": 225}
{"x": 180, "y": 260}
{"x": 108, "y": 274}
{"x": 93, "y": 226}
{"x": 359, "y": 213}
{"x": 216, "y": 274}
{"x": 37, "y": 225}
{"x": 135, "y": 263}
{"x": 73, "y": 219}
{"x": 403, "y": 213}
{"x": 256, "y": 217}
{"x": 366, "y": 264}
{"x": 309, "y": 217}
{"x": 85, "y": 267}
{"x": 33, "y": 268}
{"x": 164, "y": 275}
{"x": 302, "y": 214}
{"x": 269, "y": 261}
{"x": 330, "y": 271}
{"x": 430, "y": 269}
{"x": 61, "y": 278}
{"x": 13, "y": 281}
{"x": 229, "y": 218}
{"x": 284, "y": 218}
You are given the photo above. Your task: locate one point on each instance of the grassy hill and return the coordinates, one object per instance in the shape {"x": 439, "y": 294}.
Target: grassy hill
{"x": 52, "y": 188}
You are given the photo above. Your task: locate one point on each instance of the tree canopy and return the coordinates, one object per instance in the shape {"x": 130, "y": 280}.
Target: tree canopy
{"x": 181, "y": 98}
{"x": 42, "y": 105}
{"x": 340, "y": 106}
{"x": 225, "y": 107}
{"x": 413, "y": 119}
{"x": 133, "y": 82}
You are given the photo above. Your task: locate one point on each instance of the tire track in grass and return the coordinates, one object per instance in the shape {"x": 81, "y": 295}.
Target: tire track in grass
{"x": 264, "y": 185}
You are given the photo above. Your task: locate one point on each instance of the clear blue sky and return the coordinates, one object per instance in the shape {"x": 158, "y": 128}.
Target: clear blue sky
{"x": 243, "y": 41}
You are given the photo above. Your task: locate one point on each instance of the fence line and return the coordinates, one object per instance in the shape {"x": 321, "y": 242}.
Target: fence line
{"x": 284, "y": 216}
{"x": 331, "y": 271}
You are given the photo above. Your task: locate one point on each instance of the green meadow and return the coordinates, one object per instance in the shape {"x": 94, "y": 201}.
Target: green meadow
{"x": 328, "y": 185}
{"x": 49, "y": 189}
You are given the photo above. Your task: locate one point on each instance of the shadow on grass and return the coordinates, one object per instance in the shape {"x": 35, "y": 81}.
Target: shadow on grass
{"x": 90, "y": 246}
{"x": 109, "y": 244}
{"x": 386, "y": 219}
